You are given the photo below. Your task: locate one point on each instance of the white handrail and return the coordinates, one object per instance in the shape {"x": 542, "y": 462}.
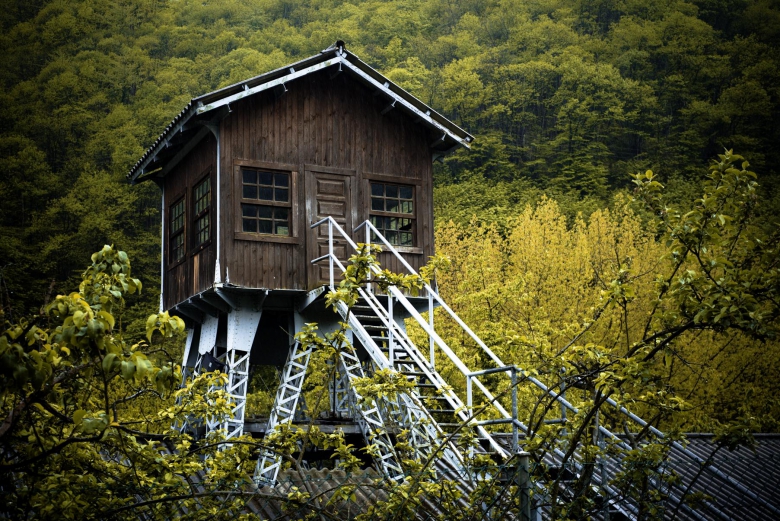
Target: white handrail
{"x": 435, "y": 339}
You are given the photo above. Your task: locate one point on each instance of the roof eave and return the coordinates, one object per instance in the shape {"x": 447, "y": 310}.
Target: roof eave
{"x": 452, "y": 135}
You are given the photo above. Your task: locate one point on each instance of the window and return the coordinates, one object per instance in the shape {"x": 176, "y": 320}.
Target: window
{"x": 177, "y": 231}
{"x": 202, "y": 203}
{"x": 392, "y": 212}
{"x": 265, "y": 202}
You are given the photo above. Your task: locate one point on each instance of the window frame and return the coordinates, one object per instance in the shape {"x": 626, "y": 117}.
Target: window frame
{"x": 416, "y": 185}
{"x": 198, "y": 247}
{"x": 179, "y": 198}
{"x": 292, "y": 205}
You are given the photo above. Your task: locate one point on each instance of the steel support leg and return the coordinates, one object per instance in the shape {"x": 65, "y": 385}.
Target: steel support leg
{"x": 286, "y": 402}
{"x": 242, "y": 326}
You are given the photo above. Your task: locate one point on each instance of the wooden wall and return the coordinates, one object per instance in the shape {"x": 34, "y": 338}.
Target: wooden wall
{"x": 319, "y": 127}
{"x": 195, "y": 273}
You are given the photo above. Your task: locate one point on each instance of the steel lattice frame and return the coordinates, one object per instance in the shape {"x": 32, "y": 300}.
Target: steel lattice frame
{"x": 339, "y": 390}
{"x": 370, "y": 420}
{"x": 285, "y": 406}
{"x": 242, "y": 326}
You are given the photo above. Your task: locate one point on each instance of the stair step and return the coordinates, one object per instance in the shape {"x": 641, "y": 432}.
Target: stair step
{"x": 400, "y": 356}
{"x": 361, "y": 318}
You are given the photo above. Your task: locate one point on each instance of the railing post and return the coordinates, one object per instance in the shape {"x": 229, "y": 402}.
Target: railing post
{"x": 432, "y": 344}
{"x": 330, "y": 251}
{"x": 603, "y": 475}
{"x": 390, "y": 342}
{"x": 515, "y": 434}
{"x": 563, "y": 407}
{"x": 369, "y": 285}
{"x": 469, "y": 407}
{"x": 523, "y": 481}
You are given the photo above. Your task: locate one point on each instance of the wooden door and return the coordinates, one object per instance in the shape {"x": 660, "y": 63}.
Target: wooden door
{"x": 328, "y": 194}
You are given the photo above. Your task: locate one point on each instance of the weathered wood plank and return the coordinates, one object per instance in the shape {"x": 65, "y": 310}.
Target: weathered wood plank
{"x": 321, "y": 122}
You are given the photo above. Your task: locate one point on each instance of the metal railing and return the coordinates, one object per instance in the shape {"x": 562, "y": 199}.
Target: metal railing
{"x": 400, "y": 334}
{"x": 471, "y": 376}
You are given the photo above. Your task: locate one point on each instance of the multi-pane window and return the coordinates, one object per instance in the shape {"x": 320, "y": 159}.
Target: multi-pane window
{"x": 392, "y": 212}
{"x": 202, "y": 204}
{"x": 177, "y": 231}
{"x": 265, "y": 202}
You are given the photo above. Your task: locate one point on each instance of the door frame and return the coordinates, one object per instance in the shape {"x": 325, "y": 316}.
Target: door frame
{"x": 310, "y": 173}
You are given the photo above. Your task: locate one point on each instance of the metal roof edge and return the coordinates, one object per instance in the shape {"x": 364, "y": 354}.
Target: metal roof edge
{"x": 291, "y": 72}
{"x": 400, "y": 91}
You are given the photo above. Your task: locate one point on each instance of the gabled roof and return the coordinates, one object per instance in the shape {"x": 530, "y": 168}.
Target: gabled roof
{"x": 209, "y": 108}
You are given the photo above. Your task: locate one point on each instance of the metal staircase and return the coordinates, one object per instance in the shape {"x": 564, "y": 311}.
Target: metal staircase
{"x": 371, "y": 323}
{"x": 434, "y": 407}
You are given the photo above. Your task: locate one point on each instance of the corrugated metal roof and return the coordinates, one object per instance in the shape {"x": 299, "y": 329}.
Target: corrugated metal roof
{"x": 750, "y": 488}
{"x": 335, "y": 55}
{"x": 757, "y": 471}
{"x": 735, "y": 484}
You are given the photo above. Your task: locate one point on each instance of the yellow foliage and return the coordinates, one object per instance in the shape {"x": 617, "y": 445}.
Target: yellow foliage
{"x": 538, "y": 296}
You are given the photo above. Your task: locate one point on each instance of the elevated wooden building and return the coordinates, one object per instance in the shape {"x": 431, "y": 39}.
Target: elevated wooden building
{"x": 246, "y": 169}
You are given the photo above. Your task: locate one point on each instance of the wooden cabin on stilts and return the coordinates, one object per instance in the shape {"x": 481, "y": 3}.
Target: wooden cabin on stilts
{"x": 261, "y": 178}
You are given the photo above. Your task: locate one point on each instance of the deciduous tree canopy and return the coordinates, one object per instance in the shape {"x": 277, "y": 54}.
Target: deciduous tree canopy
{"x": 564, "y": 97}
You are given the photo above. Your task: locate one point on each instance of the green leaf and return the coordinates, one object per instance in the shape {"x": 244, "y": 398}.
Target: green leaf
{"x": 151, "y": 323}
{"x": 108, "y": 362}
{"x": 108, "y": 317}
{"x": 128, "y": 369}
{"x": 78, "y": 416}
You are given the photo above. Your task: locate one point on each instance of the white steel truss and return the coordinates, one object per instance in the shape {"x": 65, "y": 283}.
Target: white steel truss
{"x": 370, "y": 420}
{"x": 339, "y": 392}
{"x": 288, "y": 396}
{"x": 242, "y": 326}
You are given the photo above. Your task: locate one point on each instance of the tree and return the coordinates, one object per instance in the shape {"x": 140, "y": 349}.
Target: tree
{"x": 86, "y": 430}
{"x": 662, "y": 321}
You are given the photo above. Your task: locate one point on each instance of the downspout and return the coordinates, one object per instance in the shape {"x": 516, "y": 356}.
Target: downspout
{"x": 217, "y": 270}
{"x": 162, "y": 246}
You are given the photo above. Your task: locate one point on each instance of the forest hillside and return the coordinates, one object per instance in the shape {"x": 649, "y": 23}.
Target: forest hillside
{"x": 565, "y": 98}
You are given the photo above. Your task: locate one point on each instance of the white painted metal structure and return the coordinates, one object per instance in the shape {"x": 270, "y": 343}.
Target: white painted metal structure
{"x": 403, "y": 354}
{"x": 287, "y": 396}
{"x": 375, "y": 324}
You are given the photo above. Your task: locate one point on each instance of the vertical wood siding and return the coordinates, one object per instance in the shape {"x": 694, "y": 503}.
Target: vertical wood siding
{"x": 196, "y": 272}
{"x": 331, "y": 126}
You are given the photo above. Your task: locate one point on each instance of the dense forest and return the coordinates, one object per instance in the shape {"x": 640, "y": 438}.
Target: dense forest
{"x": 560, "y": 260}
{"x": 565, "y": 98}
